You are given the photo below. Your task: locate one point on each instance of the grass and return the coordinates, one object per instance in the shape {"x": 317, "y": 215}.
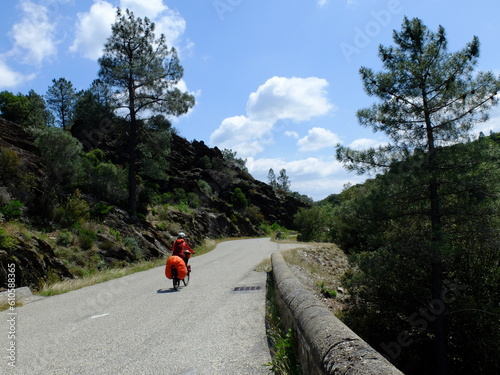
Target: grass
{"x": 5, "y": 305}
{"x": 101, "y": 276}
{"x": 264, "y": 266}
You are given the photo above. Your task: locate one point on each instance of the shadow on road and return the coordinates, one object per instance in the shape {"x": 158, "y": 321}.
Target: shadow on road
{"x": 162, "y": 291}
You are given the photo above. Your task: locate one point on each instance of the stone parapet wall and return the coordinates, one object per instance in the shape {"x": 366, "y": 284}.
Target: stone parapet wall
{"x": 325, "y": 344}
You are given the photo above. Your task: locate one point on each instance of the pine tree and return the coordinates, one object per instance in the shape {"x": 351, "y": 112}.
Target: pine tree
{"x": 61, "y": 98}
{"x": 429, "y": 98}
{"x": 144, "y": 72}
{"x": 284, "y": 181}
{"x": 271, "y": 178}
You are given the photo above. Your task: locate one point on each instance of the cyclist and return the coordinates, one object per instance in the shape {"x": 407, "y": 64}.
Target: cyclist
{"x": 181, "y": 248}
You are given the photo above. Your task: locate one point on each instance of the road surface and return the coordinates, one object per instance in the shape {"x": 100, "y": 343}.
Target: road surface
{"x": 138, "y": 325}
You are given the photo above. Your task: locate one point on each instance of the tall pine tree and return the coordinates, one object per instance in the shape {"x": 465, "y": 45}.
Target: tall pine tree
{"x": 429, "y": 98}
{"x": 144, "y": 73}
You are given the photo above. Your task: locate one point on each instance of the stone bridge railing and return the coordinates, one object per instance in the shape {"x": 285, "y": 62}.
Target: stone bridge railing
{"x": 325, "y": 345}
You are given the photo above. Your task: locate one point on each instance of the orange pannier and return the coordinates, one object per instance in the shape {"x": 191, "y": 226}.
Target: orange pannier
{"x": 179, "y": 265}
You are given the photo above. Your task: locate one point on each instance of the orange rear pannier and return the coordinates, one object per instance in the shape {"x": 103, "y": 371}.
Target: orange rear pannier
{"x": 179, "y": 265}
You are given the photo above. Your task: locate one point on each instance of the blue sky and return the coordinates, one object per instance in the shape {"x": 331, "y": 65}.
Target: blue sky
{"x": 276, "y": 81}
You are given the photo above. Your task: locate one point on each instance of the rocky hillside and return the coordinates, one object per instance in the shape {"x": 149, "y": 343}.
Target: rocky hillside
{"x": 42, "y": 248}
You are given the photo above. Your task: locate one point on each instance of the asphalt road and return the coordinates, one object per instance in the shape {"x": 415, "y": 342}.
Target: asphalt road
{"x": 138, "y": 325}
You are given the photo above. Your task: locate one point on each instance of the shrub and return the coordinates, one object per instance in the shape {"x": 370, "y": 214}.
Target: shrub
{"x": 74, "y": 210}
{"x": 61, "y": 154}
{"x": 238, "y": 199}
{"x": 12, "y": 210}
{"x": 204, "y": 187}
{"x": 102, "y": 209}
{"x": 7, "y": 242}
{"x": 65, "y": 238}
{"x": 9, "y": 165}
{"x": 254, "y": 214}
{"x": 132, "y": 243}
{"x": 86, "y": 238}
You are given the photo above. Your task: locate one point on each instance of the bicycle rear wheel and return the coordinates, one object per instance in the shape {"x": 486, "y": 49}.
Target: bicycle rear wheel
{"x": 186, "y": 279}
{"x": 175, "y": 279}
{"x": 177, "y": 283}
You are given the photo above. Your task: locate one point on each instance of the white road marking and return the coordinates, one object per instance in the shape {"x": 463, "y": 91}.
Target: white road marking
{"x": 98, "y": 316}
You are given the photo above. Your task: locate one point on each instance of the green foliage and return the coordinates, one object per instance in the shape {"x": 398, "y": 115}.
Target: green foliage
{"x": 14, "y": 107}
{"x": 73, "y": 211}
{"x": 283, "y": 342}
{"x": 65, "y": 238}
{"x": 239, "y": 200}
{"x": 116, "y": 234}
{"x": 254, "y": 214}
{"x": 27, "y": 110}
{"x": 106, "y": 180}
{"x": 230, "y": 157}
{"x": 61, "y": 154}
{"x": 154, "y": 149}
{"x": 101, "y": 209}
{"x": 314, "y": 223}
{"x": 204, "y": 187}
{"x": 12, "y": 210}
{"x": 86, "y": 237}
{"x": 7, "y": 242}
{"x": 93, "y": 109}
{"x": 9, "y": 165}
{"x": 140, "y": 66}
{"x": 61, "y": 98}
{"x": 205, "y": 163}
{"x": 408, "y": 226}
{"x": 328, "y": 293}
{"x": 132, "y": 243}
{"x": 384, "y": 225}
{"x": 182, "y": 200}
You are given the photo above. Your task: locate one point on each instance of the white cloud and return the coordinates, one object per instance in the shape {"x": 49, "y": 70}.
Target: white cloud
{"x": 365, "y": 143}
{"x": 93, "y": 28}
{"x": 317, "y": 139}
{"x": 141, "y": 8}
{"x": 34, "y": 35}
{"x": 292, "y": 134}
{"x": 173, "y": 26}
{"x": 322, "y": 3}
{"x": 279, "y": 98}
{"x": 302, "y": 168}
{"x": 243, "y": 135}
{"x": 493, "y": 124}
{"x": 297, "y": 99}
{"x": 320, "y": 177}
{"x": 10, "y": 78}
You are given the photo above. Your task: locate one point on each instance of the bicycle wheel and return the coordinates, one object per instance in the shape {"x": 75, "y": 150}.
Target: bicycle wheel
{"x": 175, "y": 279}
{"x": 186, "y": 279}
{"x": 177, "y": 283}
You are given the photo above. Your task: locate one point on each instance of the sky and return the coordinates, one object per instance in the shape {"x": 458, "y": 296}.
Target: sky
{"x": 275, "y": 81}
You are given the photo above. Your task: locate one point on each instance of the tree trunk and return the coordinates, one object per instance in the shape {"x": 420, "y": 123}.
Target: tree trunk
{"x": 132, "y": 142}
{"x": 436, "y": 243}
{"x": 437, "y": 281}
